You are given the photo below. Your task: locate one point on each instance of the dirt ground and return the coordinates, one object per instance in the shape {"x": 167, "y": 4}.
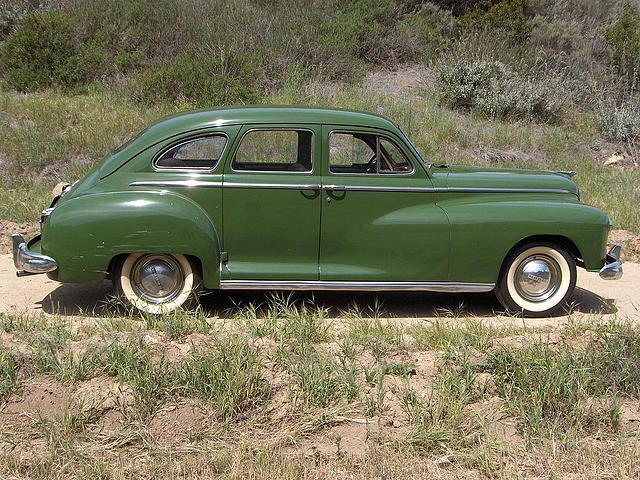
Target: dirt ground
{"x": 37, "y": 293}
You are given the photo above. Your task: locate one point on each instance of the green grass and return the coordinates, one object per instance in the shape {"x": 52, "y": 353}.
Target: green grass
{"x": 438, "y": 334}
{"x": 227, "y": 375}
{"x": 563, "y": 388}
{"x": 9, "y": 370}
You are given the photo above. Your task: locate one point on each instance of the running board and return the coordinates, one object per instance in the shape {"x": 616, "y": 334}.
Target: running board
{"x": 455, "y": 287}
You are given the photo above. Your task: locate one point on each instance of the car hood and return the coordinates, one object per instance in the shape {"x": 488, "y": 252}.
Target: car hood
{"x": 454, "y": 177}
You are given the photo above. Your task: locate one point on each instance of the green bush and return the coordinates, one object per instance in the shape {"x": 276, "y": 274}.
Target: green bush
{"x": 199, "y": 79}
{"x": 43, "y": 53}
{"x": 623, "y": 36}
{"x": 495, "y": 90}
{"x": 506, "y": 17}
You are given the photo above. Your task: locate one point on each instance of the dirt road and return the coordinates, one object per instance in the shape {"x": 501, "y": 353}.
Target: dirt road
{"x": 593, "y": 296}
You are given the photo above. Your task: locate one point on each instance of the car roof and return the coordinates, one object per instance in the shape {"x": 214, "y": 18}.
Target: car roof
{"x": 206, "y": 118}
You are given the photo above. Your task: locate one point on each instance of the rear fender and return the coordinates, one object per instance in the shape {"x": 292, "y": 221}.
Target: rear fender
{"x": 85, "y": 233}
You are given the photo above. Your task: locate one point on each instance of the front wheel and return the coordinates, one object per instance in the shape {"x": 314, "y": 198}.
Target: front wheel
{"x": 157, "y": 283}
{"x": 536, "y": 280}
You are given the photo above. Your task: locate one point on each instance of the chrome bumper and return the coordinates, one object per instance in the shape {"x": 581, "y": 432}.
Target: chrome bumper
{"x": 612, "y": 269}
{"x": 28, "y": 262}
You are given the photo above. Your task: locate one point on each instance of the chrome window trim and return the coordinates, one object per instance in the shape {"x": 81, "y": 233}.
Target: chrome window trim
{"x": 159, "y": 155}
{"x": 276, "y": 172}
{"x": 375, "y": 175}
{"x": 355, "y": 286}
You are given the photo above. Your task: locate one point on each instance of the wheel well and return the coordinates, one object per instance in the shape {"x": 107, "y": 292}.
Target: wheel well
{"x": 118, "y": 258}
{"x": 559, "y": 240}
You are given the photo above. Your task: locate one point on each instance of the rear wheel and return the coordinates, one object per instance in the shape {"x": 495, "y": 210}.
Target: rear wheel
{"x": 157, "y": 283}
{"x": 537, "y": 280}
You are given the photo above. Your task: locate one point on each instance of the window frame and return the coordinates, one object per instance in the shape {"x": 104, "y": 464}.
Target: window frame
{"x": 368, "y": 174}
{"x": 183, "y": 141}
{"x": 274, "y": 172}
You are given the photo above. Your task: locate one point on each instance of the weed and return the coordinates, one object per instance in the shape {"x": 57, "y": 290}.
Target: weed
{"x": 228, "y": 375}
{"x": 9, "y": 370}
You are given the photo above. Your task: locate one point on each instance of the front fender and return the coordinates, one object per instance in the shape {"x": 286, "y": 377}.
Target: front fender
{"x": 85, "y": 233}
{"x": 485, "y": 230}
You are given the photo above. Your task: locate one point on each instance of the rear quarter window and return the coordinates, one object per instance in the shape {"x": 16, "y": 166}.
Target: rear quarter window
{"x": 198, "y": 153}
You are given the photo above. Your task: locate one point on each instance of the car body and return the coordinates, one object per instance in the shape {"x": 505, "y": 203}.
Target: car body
{"x": 308, "y": 198}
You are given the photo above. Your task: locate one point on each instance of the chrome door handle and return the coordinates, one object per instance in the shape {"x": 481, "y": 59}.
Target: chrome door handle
{"x": 334, "y": 188}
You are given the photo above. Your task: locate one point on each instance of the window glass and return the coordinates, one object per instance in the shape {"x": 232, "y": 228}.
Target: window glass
{"x": 365, "y": 153}
{"x": 352, "y": 153}
{"x": 392, "y": 159}
{"x": 197, "y": 153}
{"x": 274, "y": 150}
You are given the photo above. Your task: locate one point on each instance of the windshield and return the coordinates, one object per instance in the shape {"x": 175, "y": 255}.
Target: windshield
{"x": 413, "y": 147}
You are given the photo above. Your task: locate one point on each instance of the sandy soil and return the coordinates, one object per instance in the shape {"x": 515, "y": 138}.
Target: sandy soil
{"x": 37, "y": 293}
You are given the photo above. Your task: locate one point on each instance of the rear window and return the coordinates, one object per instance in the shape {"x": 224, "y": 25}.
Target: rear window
{"x": 202, "y": 152}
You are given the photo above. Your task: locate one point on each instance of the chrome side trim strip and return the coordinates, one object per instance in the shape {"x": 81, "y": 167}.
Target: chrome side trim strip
{"x": 175, "y": 183}
{"x": 275, "y": 186}
{"x": 357, "y": 286}
{"x": 355, "y": 188}
{"x": 501, "y": 190}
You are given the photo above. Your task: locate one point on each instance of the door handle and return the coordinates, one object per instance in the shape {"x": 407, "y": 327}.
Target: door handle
{"x": 334, "y": 188}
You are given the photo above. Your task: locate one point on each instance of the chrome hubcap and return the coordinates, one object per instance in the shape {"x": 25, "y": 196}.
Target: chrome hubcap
{"x": 537, "y": 278}
{"x": 157, "y": 278}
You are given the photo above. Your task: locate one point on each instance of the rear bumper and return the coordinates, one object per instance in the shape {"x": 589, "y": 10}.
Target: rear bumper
{"x": 612, "y": 269}
{"x": 28, "y": 262}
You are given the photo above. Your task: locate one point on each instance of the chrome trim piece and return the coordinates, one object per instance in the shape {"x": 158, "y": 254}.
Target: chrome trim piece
{"x": 28, "y": 262}
{"x": 277, "y": 186}
{"x": 175, "y": 183}
{"x": 612, "y": 269}
{"x": 568, "y": 173}
{"x": 355, "y": 286}
{"x": 354, "y": 188}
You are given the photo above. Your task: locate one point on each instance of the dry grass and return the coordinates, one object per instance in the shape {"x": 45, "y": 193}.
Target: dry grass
{"x": 279, "y": 394}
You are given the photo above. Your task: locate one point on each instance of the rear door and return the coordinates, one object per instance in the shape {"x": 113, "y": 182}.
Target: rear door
{"x": 380, "y": 221}
{"x": 271, "y": 204}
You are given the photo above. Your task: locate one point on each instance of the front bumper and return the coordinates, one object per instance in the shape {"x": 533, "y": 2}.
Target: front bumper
{"x": 612, "y": 269}
{"x": 28, "y": 262}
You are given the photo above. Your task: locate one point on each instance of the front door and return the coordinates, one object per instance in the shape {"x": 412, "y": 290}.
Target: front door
{"x": 271, "y": 204}
{"x": 380, "y": 221}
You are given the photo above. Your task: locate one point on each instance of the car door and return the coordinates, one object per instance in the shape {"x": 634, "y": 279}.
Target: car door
{"x": 271, "y": 204}
{"x": 380, "y": 221}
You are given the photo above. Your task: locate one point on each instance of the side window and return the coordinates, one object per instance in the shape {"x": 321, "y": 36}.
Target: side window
{"x": 274, "y": 151}
{"x": 203, "y": 152}
{"x": 392, "y": 159}
{"x": 352, "y": 153}
{"x": 365, "y": 153}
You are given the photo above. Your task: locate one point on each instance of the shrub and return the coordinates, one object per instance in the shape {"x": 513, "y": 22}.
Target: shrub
{"x": 623, "y": 36}
{"x": 494, "y": 90}
{"x": 43, "y": 53}
{"x": 507, "y": 17}
{"x": 618, "y": 123}
{"x": 12, "y": 12}
{"x": 200, "y": 79}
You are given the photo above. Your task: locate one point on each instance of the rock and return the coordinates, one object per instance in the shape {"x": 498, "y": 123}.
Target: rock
{"x": 613, "y": 159}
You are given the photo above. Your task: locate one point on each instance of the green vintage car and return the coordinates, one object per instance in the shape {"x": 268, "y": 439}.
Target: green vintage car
{"x": 285, "y": 198}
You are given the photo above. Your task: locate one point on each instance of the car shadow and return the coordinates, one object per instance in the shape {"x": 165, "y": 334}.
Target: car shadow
{"x": 97, "y": 301}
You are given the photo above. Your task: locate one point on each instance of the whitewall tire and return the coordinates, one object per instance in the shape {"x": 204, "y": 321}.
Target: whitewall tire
{"x": 537, "y": 279}
{"x": 157, "y": 283}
